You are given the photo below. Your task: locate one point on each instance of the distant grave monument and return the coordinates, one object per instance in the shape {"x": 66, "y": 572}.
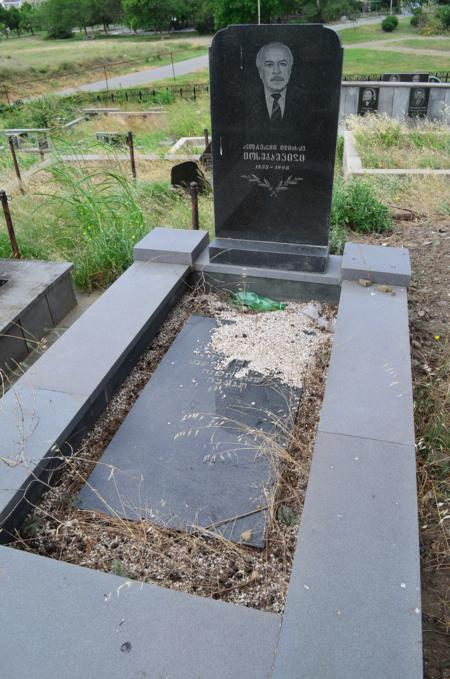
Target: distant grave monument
{"x": 274, "y": 104}
{"x": 406, "y": 77}
{"x": 418, "y": 102}
{"x": 368, "y": 100}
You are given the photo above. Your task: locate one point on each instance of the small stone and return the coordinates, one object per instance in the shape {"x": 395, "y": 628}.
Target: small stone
{"x": 364, "y": 282}
{"x": 384, "y": 288}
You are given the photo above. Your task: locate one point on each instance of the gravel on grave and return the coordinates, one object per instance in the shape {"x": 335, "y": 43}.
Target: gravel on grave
{"x": 290, "y": 344}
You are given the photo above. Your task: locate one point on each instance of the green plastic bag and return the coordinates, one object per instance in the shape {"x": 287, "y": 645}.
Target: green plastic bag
{"x": 256, "y": 302}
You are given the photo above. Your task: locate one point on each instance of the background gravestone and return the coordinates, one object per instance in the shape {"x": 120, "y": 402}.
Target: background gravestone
{"x": 418, "y": 102}
{"x": 273, "y": 170}
{"x": 368, "y": 100}
{"x": 184, "y": 173}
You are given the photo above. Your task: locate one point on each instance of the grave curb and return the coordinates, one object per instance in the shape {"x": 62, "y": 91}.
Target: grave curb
{"x": 353, "y": 603}
{"x": 390, "y": 266}
{"x": 393, "y": 650}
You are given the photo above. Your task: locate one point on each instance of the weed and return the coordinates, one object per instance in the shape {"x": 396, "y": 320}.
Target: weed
{"x": 117, "y": 568}
{"x": 356, "y": 206}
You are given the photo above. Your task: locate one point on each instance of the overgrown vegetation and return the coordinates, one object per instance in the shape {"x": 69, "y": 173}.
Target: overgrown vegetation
{"x": 386, "y": 143}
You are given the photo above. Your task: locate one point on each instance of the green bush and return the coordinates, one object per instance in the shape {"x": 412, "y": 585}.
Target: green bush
{"x": 444, "y": 16}
{"x": 389, "y": 24}
{"x": 355, "y": 206}
{"x": 415, "y": 19}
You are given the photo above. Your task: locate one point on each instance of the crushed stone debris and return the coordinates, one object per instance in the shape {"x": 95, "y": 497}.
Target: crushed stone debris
{"x": 281, "y": 344}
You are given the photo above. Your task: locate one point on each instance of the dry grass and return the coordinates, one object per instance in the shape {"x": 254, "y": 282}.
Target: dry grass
{"x": 385, "y": 143}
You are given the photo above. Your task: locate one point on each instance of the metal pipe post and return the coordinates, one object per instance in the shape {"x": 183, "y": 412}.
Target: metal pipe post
{"x": 194, "y": 202}
{"x": 9, "y": 225}
{"x": 15, "y": 163}
{"x": 130, "y": 143}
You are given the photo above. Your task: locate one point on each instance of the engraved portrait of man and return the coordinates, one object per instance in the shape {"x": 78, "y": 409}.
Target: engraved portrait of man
{"x": 419, "y": 97}
{"x": 274, "y": 62}
{"x": 276, "y": 99}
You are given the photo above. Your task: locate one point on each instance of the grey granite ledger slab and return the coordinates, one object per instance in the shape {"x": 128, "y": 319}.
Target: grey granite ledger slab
{"x": 61, "y": 621}
{"x": 353, "y": 603}
{"x": 198, "y": 448}
{"x": 274, "y": 107}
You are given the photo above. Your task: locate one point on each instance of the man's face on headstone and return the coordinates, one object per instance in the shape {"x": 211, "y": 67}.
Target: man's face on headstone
{"x": 367, "y": 96}
{"x": 275, "y": 67}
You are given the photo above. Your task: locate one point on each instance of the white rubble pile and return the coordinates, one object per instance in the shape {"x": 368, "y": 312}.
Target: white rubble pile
{"x": 276, "y": 343}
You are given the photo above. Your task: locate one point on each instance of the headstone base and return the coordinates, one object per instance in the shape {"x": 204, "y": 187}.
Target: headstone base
{"x": 286, "y": 256}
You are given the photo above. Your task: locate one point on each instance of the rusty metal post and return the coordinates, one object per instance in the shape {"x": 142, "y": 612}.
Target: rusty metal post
{"x": 173, "y": 67}
{"x": 9, "y": 224}
{"x": 130, "y": 143}
{"x": 16, "y": 164}
{"x": 7, "y": 96}
{"x": 206, "y": 137}
{"x": 106, "y": 79}
{"x": 194, "y": 202}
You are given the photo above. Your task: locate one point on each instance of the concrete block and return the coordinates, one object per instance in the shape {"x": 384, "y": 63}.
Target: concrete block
{"x": 391, "y": 266}
{"x": 351, "y": 101}
{"x": 386, "y": 100}
{"x": 171, "y": 246}
{"x": 61, "y": 620}
{"x": 106, "y": 332}
{"x": 369, "y": 391}
{"x": 400, "y": 103}
{"x": 61, "y": 298}
{"x": 353, "y": 604}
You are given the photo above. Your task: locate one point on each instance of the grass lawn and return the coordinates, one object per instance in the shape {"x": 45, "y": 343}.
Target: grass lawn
{"x": 439, "y": 43}
{"x": 359, "y": 61}
{"x": 349, "y": 36}
{"x": 35, "y": 59}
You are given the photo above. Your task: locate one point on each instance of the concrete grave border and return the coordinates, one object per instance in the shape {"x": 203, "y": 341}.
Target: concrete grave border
{"x": 353, "y": 167}
{"x": 353, "y": 604}
{"x": 176, "y": 151}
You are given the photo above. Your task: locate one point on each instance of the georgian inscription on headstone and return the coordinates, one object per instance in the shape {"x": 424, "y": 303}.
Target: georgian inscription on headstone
{"x": 368, "y": 100}
{"x": 198, "y": 448}
{"x": 418, "y": 102}
{"x": 274, "y": 103}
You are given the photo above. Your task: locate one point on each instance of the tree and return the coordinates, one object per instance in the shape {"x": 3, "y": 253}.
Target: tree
{"x": 106, "y": 12}
{"x": 13, "y": 20}
{"x": 154, "y": 14}
{"x": 246, "y": 11}
{"x": 58, "y": 17}
{"x": 27, "y": 17}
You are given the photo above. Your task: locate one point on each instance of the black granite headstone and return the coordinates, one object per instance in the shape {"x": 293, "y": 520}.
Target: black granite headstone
{"x": 198, "y": 448}
{"x": 368, "y": 100}
{"x": 418, "y": 102}
{"x": 184, "y": 173}
{"x": 274, "y": 104}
